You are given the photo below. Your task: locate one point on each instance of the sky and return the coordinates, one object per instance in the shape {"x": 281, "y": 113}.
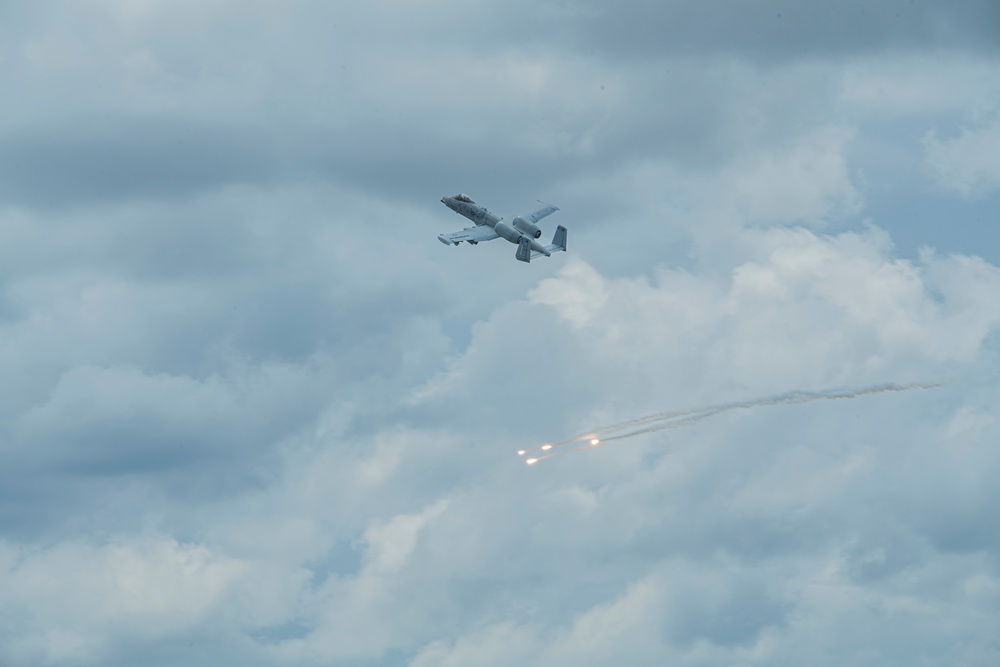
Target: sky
{"x": 253, "y": 413}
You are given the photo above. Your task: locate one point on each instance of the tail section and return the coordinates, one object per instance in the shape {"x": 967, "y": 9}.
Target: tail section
{"x": 558, "y": 244}
{"x": 529, "y": 249}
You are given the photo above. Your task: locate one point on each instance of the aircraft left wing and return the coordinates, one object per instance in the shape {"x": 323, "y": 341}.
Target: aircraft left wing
{"x": 542, "y": 212}
{"x": 471, "y": 234}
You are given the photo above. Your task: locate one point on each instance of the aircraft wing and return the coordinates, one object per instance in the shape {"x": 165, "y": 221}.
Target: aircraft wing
{"x": 542, "y": 212}
{"x": 471, "y": 234}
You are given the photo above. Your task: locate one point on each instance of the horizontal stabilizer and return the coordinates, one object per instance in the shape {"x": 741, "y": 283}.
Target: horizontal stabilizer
{"x": 558, "y": 243}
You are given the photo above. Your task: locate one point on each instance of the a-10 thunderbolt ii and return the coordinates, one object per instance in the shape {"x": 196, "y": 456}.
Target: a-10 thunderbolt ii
{"x": 522, "y": 230}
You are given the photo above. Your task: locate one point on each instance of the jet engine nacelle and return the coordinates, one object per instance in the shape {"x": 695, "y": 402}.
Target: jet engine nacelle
{"x": 527, "y": 227}
{"x": 507, "y": 232}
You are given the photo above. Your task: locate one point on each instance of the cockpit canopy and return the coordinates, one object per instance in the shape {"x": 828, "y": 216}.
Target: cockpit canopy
{"x": 465, "y": 198}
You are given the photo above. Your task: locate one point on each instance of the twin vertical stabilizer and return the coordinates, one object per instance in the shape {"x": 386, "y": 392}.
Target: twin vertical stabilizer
{"x": 528, "y": 249}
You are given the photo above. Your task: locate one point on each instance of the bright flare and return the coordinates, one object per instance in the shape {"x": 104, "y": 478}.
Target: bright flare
{"x": 531, "y": 461}
{"x": 522, "y": 452}
{"x": 595, "y": 442}
{"x": 545, "y": 448}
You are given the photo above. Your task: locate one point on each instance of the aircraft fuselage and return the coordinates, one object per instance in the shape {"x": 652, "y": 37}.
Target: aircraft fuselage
{"x": 519, "y": 228}
{"x": 478, "y": 214}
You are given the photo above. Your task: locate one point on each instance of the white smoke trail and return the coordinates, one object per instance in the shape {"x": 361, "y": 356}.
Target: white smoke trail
{"x": 679, "y": 418}
{"x": 782, "y": 399}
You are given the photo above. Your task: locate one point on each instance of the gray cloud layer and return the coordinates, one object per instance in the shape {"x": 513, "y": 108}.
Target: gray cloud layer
{"x": 775, "y": 31}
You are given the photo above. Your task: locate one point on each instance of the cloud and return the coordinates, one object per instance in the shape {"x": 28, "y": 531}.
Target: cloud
{"x": 841, "y": 298}
{"x": 343, "y": 625}
{"x": 392, "y": 543}
{"x": 808, "y": 183}
{"x": 75, "y": 601}
{"x": 129, "y": 158}
{"x": 902, "y": 87}
{"x": 965, "y": 164}
{"x": 743, "y": 539}
{"x": 114, "y": 421}
{"x": 796, "y": 484}
{"x": 772, "y": 31}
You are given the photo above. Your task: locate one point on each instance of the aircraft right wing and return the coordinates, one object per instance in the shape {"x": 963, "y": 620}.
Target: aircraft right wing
{"x": 542, "y": 212}
{"x": 471, "y": 234}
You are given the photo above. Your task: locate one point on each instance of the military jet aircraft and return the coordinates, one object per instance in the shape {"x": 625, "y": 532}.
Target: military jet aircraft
{"x": 522, "y": 230}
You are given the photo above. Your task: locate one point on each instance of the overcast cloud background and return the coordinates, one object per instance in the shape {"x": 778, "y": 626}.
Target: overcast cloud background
{"x": 252, "y": 411}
